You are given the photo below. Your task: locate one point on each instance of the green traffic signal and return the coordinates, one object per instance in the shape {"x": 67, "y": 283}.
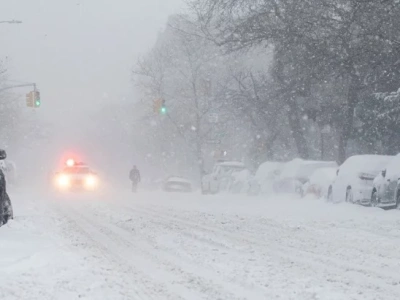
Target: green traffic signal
{"x": 163, "y": 110}
{"x": 37, "y": 98}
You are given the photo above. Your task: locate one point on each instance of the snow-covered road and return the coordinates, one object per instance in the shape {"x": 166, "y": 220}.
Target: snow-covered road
{"x": 172, "y": 246}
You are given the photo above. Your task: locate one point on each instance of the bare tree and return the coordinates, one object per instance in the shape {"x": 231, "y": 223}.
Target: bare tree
{"x": 314, "y": 40}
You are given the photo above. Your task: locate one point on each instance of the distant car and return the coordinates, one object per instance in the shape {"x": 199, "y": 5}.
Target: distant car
{"x": 76, "y": 176}
{"x": 263, "y": 180}
{"x": 319, "y": 182}
{"x": 177, "y": 184}
{"x": 220, "y": 177}
{"x": 296, "y": 173}
{"x": 386, "y": 185}
{"x": 354, "y": 180}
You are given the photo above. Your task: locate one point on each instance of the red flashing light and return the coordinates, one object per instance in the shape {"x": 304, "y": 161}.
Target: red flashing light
{"x": 70, "y": 162}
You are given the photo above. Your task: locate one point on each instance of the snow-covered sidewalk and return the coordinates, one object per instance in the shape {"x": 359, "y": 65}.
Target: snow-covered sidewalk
{"x": 187, "y": 246}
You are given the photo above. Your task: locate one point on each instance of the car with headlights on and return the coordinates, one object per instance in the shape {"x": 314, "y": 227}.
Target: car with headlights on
{"x": 354, "y": 179}
{"x": 76, "y": 176}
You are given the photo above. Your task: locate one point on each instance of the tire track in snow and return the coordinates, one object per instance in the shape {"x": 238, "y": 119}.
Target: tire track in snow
{"x": 365, "y": 278}
{"x": 207, "y": 285}
{"x": 117, "y": 257}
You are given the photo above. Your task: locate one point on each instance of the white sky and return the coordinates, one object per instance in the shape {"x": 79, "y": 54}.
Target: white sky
{"x": 79, "y": 52}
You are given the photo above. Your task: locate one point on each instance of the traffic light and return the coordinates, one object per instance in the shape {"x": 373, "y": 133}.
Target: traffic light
{"x": 33, "y": 99}
{"x": 29, "y": 99}
{"x": 159, "y": 106}
{"x": 163, "y": 109}
{"x": 37, "y": 98}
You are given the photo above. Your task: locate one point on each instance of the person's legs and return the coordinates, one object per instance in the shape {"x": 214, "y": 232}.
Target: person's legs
{"x": 134, "y": 186}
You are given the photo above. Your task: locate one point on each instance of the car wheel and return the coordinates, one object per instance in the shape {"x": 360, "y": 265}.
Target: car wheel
{"x": 374, "y": 199}
{"x": 330, "y": 195}
{"x": 349, "y": 195}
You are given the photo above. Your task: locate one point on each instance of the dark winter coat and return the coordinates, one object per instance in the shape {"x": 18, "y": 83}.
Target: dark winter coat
{"x": 134, "y": 175}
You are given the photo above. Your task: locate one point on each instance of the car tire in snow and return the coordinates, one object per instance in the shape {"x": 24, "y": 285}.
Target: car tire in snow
{"x": 349, "y": 195}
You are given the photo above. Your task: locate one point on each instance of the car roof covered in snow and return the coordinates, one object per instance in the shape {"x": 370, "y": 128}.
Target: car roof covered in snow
{"x": 366, "y": 163}
{"x": 299, "y": 168}
{"x": 266, "y": 168}
{"x": 242, "y": 174}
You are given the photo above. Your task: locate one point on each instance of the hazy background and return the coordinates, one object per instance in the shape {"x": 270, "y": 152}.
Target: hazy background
{"x": 80, "y": 53}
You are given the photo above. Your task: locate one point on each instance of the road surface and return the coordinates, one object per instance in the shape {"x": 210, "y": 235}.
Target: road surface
{"x": 155, "y": 245}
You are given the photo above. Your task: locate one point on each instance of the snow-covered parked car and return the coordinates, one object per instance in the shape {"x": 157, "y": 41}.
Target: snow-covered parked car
{"x": 263, "y": 180}
{"x": 177, "y": 184}
{"x": 220, "y": 177}
{"x": 386, "y": 185}
{"x": 296, "y": 173}
{"x": 354, "y": 180}
{"x": 240, "y": 182}
{"x": 319, "y": 182}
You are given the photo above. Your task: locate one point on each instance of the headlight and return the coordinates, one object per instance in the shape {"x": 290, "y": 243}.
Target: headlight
{"x": 63, "y": 181}
{"x": 91, "y": 181}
